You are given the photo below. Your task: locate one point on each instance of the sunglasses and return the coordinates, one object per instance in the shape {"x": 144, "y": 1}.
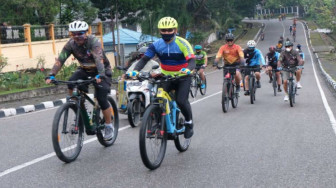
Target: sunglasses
{"x": 230, "y": 40}
{"x": 166, "y": 30}
{"x": 78, "y": 33}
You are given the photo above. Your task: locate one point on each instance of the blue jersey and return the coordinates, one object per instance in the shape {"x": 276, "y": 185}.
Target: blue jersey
{"x": 173, "y": 56}
{"x": 254, "y": 58}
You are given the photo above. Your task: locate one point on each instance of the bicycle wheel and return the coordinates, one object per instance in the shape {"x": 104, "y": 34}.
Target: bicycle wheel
{"x": 274, "y": 83}
{"x": 234, "y": 96}
{"x": 193, "y": 87}
{"x": 153, "y": 137}
{"x": 134, "y": 112}
{"x": 225, "y": 97}
{"x": 291, "y": 93}
{"x": 203, "y": 91}
{"x": 251, "y": 89}
{"x": 67, "y": 137}
{"x": 115, "y": 123}
{"x": 181, "y": 143}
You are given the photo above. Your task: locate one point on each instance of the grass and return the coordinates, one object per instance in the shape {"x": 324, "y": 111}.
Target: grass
{"x": 316, "y": 39}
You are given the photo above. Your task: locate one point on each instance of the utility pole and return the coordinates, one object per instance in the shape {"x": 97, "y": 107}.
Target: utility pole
{"x": 118, "y": 37}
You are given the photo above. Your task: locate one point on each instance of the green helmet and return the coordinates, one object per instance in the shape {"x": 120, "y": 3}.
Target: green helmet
{"x": 198, "y": 47}
{"x": 288, "y": 43}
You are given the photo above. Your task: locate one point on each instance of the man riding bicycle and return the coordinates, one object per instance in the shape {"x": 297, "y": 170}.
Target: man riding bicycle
{"x": 272, "y": 58}
{"x": 93, "y": 63}
{"x": 232, "y": 55}
{"x": 201, "y": 62}
{"x": 254, "y": 59}
{"x": 177, "y": 57}
{"x": 290, "y": 29}
{"x": 288, "y": 59}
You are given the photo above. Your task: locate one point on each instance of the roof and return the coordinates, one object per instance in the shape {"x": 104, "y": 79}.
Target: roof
{"x": 127, "y": 37}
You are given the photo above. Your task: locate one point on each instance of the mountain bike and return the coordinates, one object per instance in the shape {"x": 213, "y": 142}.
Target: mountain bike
{"x": 196, "y": 82}
{"x": 249, "y": 71}
{"x": 73, "y": 117}
{"x": 162, "y": 121}
{"x": 229, "y": 88}
{"x": 291, "y": 85}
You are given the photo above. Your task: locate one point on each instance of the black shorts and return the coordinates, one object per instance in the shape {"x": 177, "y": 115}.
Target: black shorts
{"x": 274, "y": 67}
{"x": 198, "y": 67}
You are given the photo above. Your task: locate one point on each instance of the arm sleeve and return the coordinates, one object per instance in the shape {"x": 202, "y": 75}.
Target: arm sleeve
{"x": 261, "y": 58}
{"x": 63, "y": 56}
{"x": 191, "y": 64}
{"x": 97, "y": 53}
{"x": 140, "y": 65}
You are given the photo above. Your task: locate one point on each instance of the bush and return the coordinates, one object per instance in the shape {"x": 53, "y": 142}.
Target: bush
{"x": 3, "y": 62}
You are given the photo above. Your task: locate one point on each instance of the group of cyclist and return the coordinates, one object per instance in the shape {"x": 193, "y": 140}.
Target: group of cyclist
{"x": 176, "y": 57}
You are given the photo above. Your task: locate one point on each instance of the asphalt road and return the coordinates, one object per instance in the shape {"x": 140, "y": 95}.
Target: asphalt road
{"x": 267, "y": 144}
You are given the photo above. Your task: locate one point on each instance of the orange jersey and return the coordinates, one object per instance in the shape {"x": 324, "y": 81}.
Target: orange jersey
{"x": 230, "y": 54}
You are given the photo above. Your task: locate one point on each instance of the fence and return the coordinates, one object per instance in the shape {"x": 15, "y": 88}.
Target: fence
{"x": 32, "y": 33}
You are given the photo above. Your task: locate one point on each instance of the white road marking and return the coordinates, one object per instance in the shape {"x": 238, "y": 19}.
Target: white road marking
{"x": 324, "y": 99}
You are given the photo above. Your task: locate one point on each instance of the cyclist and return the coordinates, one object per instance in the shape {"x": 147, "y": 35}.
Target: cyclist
{"x": 290, "y": 58}
{"x": 294, "y": 22}
{"x": 177, "y": 57}
{"x": 281, "y": 40}
{"x": 272, "y": 58}
{"x": 232, "y": 55}
{"x": 254, "y": 58}
{"x": 201, "y": 62}
{"x": 298, "y": 48}
{"x": 290, "y": 29}
{"x": 93, "y": 62}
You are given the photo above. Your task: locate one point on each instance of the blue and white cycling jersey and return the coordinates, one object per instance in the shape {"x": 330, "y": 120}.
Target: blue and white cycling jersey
{"x": 254, "y": 58}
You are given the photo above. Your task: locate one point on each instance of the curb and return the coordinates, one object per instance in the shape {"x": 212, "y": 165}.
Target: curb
{"x": 44, "y": 105}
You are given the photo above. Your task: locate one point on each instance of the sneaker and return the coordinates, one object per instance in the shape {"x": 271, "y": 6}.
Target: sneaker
{"x": 298, "y": 85}
{"x": 237, "y": 89}
{"x": 202, "y": 86}
{"x": 188, "y": 133}
{"x": 258, "y": 84}
{"x": 286, "y": 98}
{"x": 109, "y": 129}
{"x": 279, "y": 89}
{"x": 271, "y": 80}
{"x": 247, "y": 93}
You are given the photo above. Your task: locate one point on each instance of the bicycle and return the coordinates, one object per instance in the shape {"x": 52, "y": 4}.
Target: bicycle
{"x": 294, "y": 35}
{"x": 72, "y": 117}
{"x": 249, "y": 71}
{"x": 196, "y": 83}
{"x": 161, "y": 122}
{"x": 229, "y": 88}
{"x": 291, "y": 85}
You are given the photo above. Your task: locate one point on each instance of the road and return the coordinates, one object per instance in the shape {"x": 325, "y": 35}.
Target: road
{"x": 267, "y": 144}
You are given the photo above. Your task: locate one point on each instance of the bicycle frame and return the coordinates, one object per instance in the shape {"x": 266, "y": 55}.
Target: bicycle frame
{"x": 170, "y": 110}
{"x": 89, "y": 123}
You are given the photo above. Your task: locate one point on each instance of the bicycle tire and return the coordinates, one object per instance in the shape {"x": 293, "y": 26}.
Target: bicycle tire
{"x": 147, "y": 130}
{"x": 274, "y": 83}
{"x": 180, "y": 142}
{"x": 290, "y": 93}
{"x": 193, "y": 87}
{"x": 61, "y": 151}
{"x": 133, "y": 116}
{"x": 115, "y": 123}
{"x": 203, "y": 91}
{"x": 225, "y": 97}
{"x": 234, "y": 96}
{"x": 251, "y": 89}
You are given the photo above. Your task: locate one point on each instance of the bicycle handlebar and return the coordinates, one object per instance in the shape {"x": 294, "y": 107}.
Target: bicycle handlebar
{"x": 76, "y": 82}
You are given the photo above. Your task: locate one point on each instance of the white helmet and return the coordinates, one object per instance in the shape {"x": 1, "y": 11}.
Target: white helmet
{"x": 78, "y": 26}
{"x": 251, "y": 44}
